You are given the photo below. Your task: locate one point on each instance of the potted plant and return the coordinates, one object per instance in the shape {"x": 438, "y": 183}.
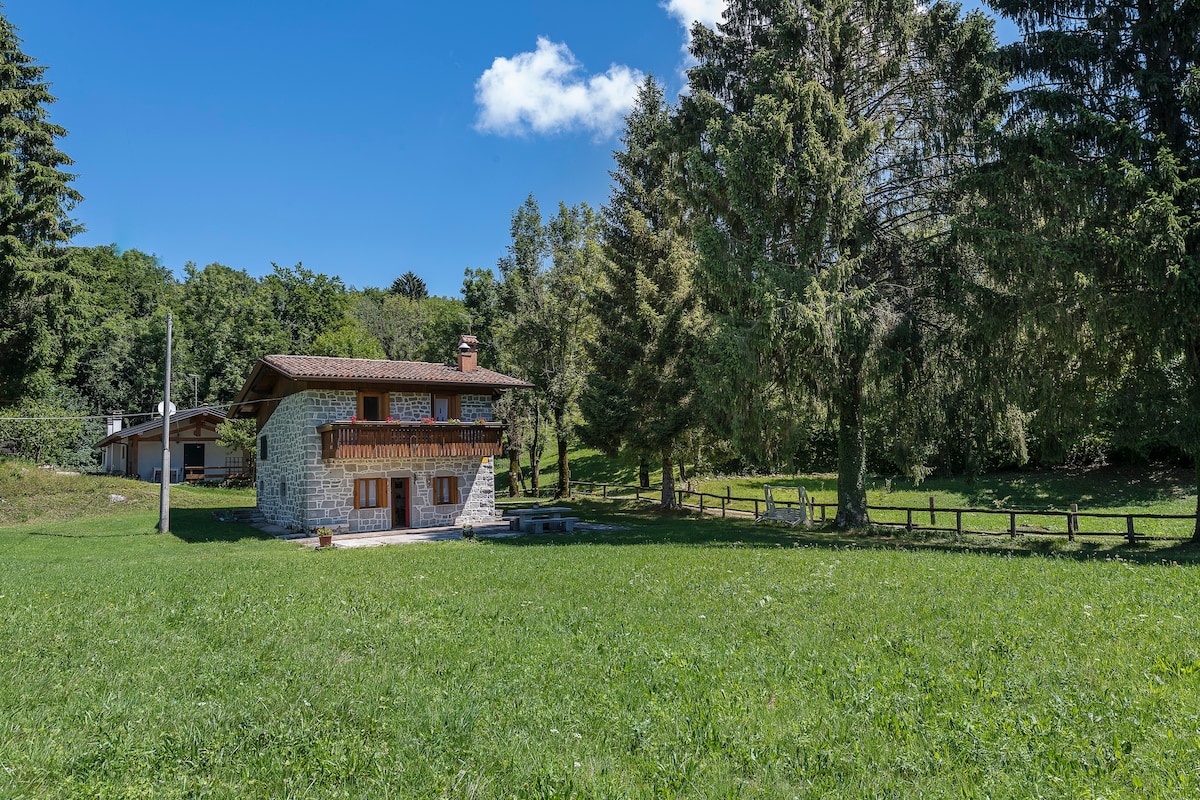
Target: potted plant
{"x": 324, "y": 537}
{"x": 468, "y": 531}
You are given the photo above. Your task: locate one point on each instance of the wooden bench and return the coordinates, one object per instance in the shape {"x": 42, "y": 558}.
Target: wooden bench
{"x": 542, "y": 524}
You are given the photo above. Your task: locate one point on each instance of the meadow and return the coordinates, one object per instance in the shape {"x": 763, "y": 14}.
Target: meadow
{"x": 666, "y": 656}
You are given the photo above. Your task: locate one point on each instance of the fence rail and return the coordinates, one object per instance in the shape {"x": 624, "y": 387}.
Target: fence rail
{"x": 913, "y": 515}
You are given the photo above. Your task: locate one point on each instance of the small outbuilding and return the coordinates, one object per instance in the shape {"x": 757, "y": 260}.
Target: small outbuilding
{"x": 136, "y": 451}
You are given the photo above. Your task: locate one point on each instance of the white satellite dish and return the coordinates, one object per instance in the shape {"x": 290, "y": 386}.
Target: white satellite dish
{"x": 160, "y": 409}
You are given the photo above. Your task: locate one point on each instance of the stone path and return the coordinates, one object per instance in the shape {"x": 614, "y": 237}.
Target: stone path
{"x": 498, "y": 530}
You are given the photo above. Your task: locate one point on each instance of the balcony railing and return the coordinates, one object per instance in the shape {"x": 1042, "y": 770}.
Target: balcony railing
{"x": 408, "y": 440}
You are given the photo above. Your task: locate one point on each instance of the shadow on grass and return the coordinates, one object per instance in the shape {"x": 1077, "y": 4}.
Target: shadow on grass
{"x": 201, "y": 525}
{"x": 638, "y": 525}
{"x": 1108, "y": 486}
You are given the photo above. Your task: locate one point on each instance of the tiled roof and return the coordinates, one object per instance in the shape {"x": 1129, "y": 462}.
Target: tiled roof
{"x": 370, "y": 369}
{"x": 156, "y": 423}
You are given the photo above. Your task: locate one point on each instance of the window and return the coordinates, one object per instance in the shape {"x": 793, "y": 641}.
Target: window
{"x": 370, "y": 493}
{"x": 445, "y": 491}
{"x": 372, "y": 405}
{"x": 446, "y": 407}
{"x": 262, "y": 448}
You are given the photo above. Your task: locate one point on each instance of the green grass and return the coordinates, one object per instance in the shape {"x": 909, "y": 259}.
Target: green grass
{"x": 1109, "y": 490}
{"x": 677, "y": 657}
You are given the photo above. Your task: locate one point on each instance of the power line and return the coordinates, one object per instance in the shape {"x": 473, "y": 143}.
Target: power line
{"x": 129, "y": 416}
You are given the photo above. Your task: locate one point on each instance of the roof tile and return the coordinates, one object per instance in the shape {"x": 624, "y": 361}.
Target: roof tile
{"x": 328, "y": 368}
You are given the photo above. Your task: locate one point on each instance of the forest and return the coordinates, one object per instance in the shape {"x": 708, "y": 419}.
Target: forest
{"x": 867, "y": 238}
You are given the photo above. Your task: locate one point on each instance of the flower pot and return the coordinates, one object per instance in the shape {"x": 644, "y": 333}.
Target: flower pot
{"x": 325, "y": 540}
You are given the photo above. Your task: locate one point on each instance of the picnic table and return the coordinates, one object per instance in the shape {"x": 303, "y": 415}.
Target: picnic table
{"x": 539, "y": 519}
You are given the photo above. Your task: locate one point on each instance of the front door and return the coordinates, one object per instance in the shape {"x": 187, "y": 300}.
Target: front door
{"x": 400, "y": 503}
{"x": 193, "y": 459}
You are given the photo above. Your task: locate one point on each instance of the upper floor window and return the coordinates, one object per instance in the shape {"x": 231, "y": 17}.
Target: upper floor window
{"x": 446, "y": 407}
{"x": 372, "y": 405}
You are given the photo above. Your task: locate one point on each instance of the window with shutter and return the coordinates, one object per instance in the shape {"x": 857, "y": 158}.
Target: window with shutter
{"x": 370, "y": 493}
{"x": 445, "y": 491}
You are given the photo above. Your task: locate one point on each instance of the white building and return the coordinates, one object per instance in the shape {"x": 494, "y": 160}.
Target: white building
{"x": 136, "y": 451}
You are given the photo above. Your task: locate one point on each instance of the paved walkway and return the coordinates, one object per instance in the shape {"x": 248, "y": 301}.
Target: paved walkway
{"x": 410, "y": 536}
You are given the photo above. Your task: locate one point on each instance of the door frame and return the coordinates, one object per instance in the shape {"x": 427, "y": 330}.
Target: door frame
{"x": 408, "y": 483}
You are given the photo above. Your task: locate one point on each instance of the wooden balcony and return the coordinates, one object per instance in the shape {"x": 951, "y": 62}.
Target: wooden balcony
{"x": 408, "y": 440}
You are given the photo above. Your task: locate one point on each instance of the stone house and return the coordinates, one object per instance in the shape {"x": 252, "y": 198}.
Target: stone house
{"x": 368, "y": 445}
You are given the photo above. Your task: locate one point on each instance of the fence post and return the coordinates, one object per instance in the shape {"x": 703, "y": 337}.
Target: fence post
{"x": 1012, "y": 524}
{"x": 1129, "y": 529}
{"x": 958, "y": 522}
{"x": 702, "y": 502}
{"x": 638, "y": 492}
{"x": 722, "y": 507}
{"x": 932, "y": 514}
{"x": 1072, "y": 522}
{"x": 908, "y": 526}
{"x": 822, "y": 512}
{"x": 728, "y": 495}
{"x": 756, "y": 507}
{"x": 604, "y": 490}
{"x": 681, "y": 498}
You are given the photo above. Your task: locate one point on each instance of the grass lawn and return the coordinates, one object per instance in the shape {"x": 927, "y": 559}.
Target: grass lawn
{"x": 678, "y": 657}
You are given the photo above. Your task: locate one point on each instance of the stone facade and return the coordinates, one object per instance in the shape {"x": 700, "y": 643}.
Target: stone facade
{"x": 476, "y": 407}
{"x": 298, "y": 489}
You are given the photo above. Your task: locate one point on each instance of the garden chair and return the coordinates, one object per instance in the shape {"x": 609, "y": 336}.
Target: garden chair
{"x": 792, "y": 516}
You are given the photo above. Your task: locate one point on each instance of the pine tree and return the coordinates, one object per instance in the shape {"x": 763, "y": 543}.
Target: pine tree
{"x": 1094, "y": 195}
{"x": 410, "y": 285}
{"x": 37, "y": 287}
{"x": 640, "y": 384}
{"x": 823, "y": 141}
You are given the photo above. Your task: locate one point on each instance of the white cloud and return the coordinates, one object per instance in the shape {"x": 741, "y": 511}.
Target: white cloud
{"x": 689, "y": 11}
{"x": 543, "y": 93}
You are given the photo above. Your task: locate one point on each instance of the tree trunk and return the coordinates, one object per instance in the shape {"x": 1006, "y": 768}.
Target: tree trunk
{"x": 1196, "y": 532}
{"x": 564, "y": 468}
{"x": 852, "y": 449}
{"x": 643, "y": 473}
{"x": 535, "y": 451}
{"x": 682, "y": 471}
{"x": 668, "y": 481}
{"x": 515, "y": 476}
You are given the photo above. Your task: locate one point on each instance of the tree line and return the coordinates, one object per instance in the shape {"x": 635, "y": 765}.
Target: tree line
{"x": 867, "y": 237}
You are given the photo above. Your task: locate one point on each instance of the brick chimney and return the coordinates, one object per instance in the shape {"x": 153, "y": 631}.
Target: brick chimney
{"x": 468, "y": 358}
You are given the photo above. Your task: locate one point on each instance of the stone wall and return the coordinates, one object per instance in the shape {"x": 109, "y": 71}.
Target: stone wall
{"x": 297, "y": 489}
{"x": 409, "y": 406}
{"x": 475, "y": 407}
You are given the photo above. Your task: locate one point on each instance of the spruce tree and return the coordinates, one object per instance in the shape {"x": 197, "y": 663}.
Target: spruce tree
{"x": 823, "y": 139}
{"x": 36, "y": 285}
{"x": 1093, "y": 198}
{"x": 640, "y": 385}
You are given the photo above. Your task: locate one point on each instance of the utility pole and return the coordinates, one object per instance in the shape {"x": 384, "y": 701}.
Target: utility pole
{"x": 164, "y": 502}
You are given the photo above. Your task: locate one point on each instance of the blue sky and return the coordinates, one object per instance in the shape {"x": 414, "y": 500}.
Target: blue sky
{"x": 363, "y": 138}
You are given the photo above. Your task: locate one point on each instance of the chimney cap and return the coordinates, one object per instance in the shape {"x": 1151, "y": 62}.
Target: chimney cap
{"x": 463, "y": 347}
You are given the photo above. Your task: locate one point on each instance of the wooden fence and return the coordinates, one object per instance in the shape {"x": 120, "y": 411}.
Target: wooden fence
{"x": 914, "y": 517}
